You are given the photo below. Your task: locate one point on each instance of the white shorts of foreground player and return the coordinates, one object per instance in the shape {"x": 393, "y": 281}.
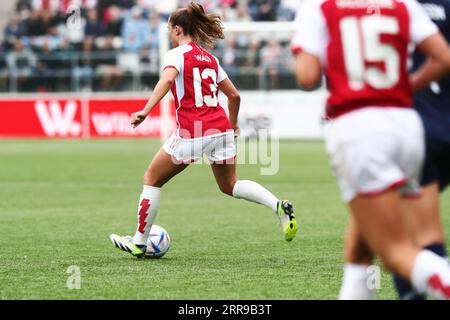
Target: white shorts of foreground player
{"x": 376, "y": 149}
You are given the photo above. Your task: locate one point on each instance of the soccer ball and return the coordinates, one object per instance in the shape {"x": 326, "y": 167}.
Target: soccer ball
{"x": 158, "y": 242}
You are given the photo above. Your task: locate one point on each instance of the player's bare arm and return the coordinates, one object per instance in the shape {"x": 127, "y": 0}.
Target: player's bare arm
{"x": 162, "y": 87}
{"x": 437, "y": 65}
{"x": 307, "y": 70}
{"x": 234, "y": 101}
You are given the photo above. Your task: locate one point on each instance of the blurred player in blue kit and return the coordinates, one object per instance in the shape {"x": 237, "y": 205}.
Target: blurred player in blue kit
{"x": 433, "y": 105}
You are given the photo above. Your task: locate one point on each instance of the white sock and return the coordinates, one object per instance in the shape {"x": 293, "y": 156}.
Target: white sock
{"x": 147, "y": 210}
{"x": 355, "y": 283}
{"x": 252, "y": 191}
{"x": 431, "y": 275}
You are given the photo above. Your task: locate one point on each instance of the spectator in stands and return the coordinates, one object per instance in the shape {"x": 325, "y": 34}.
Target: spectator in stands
{"x": 54, "y": 61}
{"x": 115, "y": 21}
{"x": 45, "y": 5}
{"x": 150, "y": 58}
{"x": 35, "y": 26}
{"x": 14, "y": 29}
{"x": 228, "y": 10}
{"x": 154, "y": 22}
{"x": 288, "y": 63}
{"x": 135, "y": 31}
{"x": 242, "y": 14}
{"x": 147, "y": 5}
{"x": 250, "y": 65}
{"x": 83, "y": 4}
{"x": 208, "y": 5}
{"x": 270, "y": 63}
{"x": 287, "y": 9}
{"x": 23, "y": 6}
{"x": 4, "y": 75}
{"x": 83, "y": 71}
{"x": 230, "y": 3}
{"x": 229, "y": 56}
{"x": 21, "y": 63}
{"x": 123, "y": 4}
{"x": 54, "y": 40}
{"x": 110, "y": 73}
{"x": 251, "y": 57}
{"x": 47, "y": 65}
{"x": 94, "y": 26}
{"x": 49, "y": 19}
{"x": 165, "y": 8}
{"x": 263, "y": 10}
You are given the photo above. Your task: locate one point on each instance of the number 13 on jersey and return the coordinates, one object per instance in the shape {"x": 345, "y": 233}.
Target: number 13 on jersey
{"x": 200, "y": 99}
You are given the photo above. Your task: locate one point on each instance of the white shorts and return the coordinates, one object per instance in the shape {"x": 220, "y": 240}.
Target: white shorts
{"x": 218, "y": 148}
{"x": 373, "y": 150}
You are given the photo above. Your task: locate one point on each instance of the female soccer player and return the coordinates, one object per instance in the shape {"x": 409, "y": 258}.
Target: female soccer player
{"x": 422, "y": 215}
{"x": 374, "y": 137}
{"x": 195, "y": 77}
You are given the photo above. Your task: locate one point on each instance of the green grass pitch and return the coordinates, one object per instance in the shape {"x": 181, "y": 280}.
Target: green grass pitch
{"x": 60, "y": 200}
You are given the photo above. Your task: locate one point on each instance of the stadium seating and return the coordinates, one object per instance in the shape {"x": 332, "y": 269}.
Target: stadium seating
{"x": 112, "y": 45}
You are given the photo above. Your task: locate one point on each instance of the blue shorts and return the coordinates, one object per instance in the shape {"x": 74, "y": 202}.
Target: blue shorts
{"x": 436, "y": 166}
{"x": 435, "y": 114}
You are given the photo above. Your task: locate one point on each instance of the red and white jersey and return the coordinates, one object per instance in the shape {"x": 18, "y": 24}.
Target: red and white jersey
{"x": 363, "y": 48}
{"x": 198, "y": 112}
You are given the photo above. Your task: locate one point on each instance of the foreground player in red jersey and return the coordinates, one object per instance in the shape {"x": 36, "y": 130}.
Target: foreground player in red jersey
{"x": 374, "y": 138}
{"x": 421, "y": 214}
{"x": 195, "y": 77}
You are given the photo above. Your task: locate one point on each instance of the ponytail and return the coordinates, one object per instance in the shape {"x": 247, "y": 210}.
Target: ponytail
{"x": 203, "y": 27}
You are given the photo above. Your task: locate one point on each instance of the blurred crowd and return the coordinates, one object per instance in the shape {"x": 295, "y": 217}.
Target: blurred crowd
{"x": 72, "y": 45}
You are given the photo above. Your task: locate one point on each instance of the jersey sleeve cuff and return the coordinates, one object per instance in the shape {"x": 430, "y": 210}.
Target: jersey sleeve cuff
{"x": 296, "y": 50}
{"x": 422, "y": 38}
{"x": 171, "y": 66}
{"x": 222, "y": 79}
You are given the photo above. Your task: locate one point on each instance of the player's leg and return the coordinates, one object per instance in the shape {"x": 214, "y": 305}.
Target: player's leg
{"x": 424, "y": 224}
{"x": 382, "y": 227}
{"x": 160, "y": 171}
{"x": 225, "y": 174}
{"x": 221, "y": 153}
{"x": 370, "y": 164}
{"x": 422, "y": 216}
{"x": 423, "y": 213}
{"x": 358, "y": 257}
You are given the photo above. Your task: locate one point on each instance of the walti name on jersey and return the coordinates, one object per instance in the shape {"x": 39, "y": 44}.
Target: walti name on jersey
{"x": 201, "y": 57}
{"x": 57, "y": 120}
{"x": 365, "y": 3}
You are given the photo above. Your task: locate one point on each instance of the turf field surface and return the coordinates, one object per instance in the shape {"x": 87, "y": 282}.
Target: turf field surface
{"x": 60, "y": 200}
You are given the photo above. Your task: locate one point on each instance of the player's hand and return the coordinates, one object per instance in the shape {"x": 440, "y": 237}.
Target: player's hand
{"x": 137, "y": 118}
{"x": 237, "y": 131}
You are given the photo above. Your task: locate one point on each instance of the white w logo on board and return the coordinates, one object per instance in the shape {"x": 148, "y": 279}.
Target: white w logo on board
{"x": 56, "y": 120}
